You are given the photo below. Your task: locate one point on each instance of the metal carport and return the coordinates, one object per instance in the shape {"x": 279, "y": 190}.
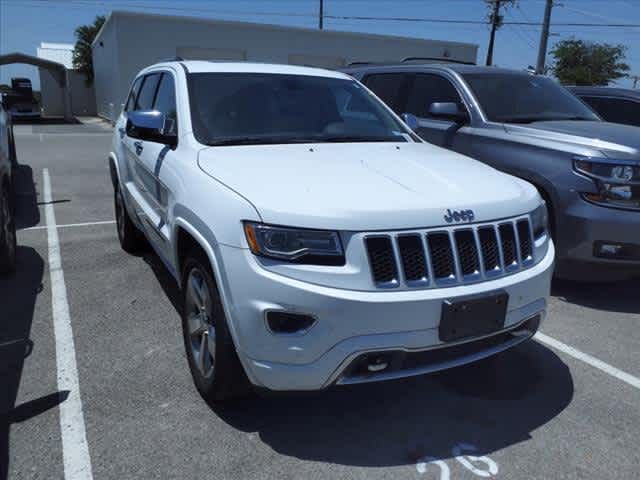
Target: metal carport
{"x": 58, "y": 71}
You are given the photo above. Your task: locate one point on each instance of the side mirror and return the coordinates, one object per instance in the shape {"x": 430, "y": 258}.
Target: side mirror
{"x": 448, "y": 111}
{"x": 151, "y": 125}
{"x": 410, "y": 120}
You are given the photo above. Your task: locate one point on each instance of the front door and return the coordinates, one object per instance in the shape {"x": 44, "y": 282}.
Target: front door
{"x": 146, "y": 158}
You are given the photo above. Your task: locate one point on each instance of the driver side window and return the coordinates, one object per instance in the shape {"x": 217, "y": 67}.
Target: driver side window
{"x": 425, "y": 89}
{"x": 131, "y": 100}
{"x": 165, "y": 103}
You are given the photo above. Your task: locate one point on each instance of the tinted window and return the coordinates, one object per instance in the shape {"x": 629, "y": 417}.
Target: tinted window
{"x": 166, "y": 103}
{"x": 133, "y": 94}
{"x": 522, "y": 98}
{"x": 616, "y": 110}
{"x": 279, "y": 108}
{"x": 387, "y": 86}
{"x": 144, "y": 101}
{"x": 427, "y": 89}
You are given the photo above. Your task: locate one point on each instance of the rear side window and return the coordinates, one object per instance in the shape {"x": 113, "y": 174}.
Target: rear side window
{"x": 388, "y": 87}
{"x": 133, "y": 95}
{"x": 616, "y": 110}
{"x": 426, "y": 89}
{"x": 166, "y": 103}
{"x": 147, "y": 94}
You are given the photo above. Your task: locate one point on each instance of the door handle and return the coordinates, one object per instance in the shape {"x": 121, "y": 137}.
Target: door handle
{"x": 139, "y": 147}
{"x": 122, "y": 131}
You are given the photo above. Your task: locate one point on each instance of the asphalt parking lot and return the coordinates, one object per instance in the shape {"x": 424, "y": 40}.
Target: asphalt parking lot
{"x": 566, "y": 405}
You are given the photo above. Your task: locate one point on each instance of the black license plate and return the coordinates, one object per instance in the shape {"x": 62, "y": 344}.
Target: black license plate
{"x": 473, "y": 316}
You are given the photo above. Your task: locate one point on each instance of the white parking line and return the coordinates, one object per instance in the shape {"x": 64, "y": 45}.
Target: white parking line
{"x": 75, "y": 450}
{"x": 594, "y": 362}
{"x": 67, "y": 225}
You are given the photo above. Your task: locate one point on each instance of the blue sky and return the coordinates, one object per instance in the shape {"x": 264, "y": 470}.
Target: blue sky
{"x": 26, "y": 23}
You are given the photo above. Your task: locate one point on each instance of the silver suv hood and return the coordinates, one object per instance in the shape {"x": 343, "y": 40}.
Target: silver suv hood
{"x": 365, "y": 186}
{"x": 611, "y": 139}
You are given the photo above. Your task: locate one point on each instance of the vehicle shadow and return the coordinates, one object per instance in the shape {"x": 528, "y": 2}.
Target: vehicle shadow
{"x": 45, "y": 121}
{"x": 18, "y": 293}
{"x": 490, "y": 405}
{"x": 619, "y": 296}
{"x": 26, "y": 197}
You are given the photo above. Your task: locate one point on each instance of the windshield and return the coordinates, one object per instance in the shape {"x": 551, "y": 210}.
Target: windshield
{"x": 256, "y": 108}
{"x": 521, "y": 98}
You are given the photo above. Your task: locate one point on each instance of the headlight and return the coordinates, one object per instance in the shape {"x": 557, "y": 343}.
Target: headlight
{"x": 540, "y": 220}
{"x": 316, "y": 247}
{"x": 618, "y": 182}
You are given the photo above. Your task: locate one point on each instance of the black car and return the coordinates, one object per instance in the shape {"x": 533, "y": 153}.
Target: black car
{"x": 7, "y": 221}
{"x": 617, "y": 105}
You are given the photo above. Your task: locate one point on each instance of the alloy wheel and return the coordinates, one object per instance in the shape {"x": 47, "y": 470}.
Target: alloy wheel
{"x": 202, "y": 332}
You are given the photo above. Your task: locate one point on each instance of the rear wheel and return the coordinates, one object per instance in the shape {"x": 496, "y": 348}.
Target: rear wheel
{"x": 131, "y": 239}
{"x": 213, "y": 361}
{"x": 7, "y": 232}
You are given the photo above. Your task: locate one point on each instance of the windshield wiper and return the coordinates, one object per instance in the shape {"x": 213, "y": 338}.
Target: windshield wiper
{"x": 253, "y": 141}
{"x": 315, "y": 139}
{"x": 362, "y": 138}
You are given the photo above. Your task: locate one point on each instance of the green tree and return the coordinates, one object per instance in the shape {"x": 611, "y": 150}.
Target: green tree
{"x": 82, "y": 59}
{"x": 577, "y": 62}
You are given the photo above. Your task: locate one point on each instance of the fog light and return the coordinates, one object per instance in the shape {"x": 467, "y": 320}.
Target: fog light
{"x": 617, "y": 251}
{"x": 287, "y": 322}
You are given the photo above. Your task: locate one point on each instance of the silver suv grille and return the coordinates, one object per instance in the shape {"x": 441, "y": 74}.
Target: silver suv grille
{"x": 449, "y": 257}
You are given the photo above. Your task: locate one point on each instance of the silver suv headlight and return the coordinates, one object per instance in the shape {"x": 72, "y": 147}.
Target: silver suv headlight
{"x": 297, "y": 245}
{"x": 617, "y": 181}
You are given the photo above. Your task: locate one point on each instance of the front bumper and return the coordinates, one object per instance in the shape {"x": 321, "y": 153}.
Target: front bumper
{"x": 351, "y": 323}
{"x": 585, "y": 224}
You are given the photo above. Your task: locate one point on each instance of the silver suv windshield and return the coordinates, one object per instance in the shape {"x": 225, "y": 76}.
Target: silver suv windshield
{"x": 259, "y": 108}
{"x": 522, "y": 98}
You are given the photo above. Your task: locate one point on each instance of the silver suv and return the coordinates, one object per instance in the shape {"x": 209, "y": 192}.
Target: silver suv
{"x": 587, "y": 170}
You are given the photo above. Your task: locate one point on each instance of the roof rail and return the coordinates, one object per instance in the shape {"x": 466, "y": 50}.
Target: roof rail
{"x": 177, "y": 58}
{"x": 436, "y": 59}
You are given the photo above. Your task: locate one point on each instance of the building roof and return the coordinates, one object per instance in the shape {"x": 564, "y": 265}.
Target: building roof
{"x": 264, "y": 26}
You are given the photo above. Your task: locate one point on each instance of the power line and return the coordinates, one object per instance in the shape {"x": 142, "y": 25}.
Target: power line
{"x": 45, "y": 3}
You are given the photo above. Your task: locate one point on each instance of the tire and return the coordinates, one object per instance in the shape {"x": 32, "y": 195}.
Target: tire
{"x": 214, "y": 364}
{"x": 7, "y": 232}
{"x": 131, "y": 239}
{"x": 13, "y": 157}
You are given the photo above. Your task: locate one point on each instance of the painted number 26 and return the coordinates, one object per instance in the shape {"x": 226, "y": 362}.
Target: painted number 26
{"x": 481, "y": 466}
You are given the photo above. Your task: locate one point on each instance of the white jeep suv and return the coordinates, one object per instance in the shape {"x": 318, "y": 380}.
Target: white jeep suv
{"x": 316, "y": 239}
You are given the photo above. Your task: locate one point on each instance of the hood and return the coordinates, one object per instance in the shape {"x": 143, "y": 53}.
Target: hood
{"x": 611, "y": 139}
{"x": 365, "y": 186}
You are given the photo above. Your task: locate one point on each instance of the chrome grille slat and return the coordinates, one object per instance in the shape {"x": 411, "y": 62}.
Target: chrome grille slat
{"x": 452, "y": 256}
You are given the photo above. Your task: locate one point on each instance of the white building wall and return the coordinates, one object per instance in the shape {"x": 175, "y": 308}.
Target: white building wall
{"x": 57, "y": 52}
{"x": 107, "y": 81}
{"x": 82, "y": 95}
{"x": 144, "y": 39}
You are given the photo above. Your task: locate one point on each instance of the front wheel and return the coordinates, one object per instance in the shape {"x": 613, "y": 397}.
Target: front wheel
{"x": 7, "y": 233}
{"x": 213, "y": 361}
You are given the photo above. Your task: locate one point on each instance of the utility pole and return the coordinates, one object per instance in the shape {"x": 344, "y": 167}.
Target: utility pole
{"x": 321, "y": 15}
{"x": 495, "y": 21}
{"x": 544, "y": 38}
{"x": 636, "y": 79}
